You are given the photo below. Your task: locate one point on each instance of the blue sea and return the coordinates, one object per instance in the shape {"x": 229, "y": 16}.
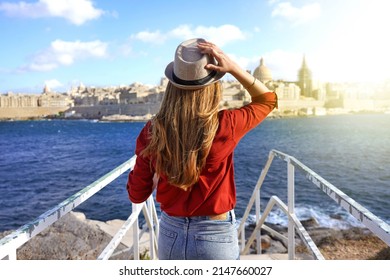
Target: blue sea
{"x": 44, "y": 162}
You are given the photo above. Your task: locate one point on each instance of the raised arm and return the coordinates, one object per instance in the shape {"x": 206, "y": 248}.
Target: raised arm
{"x": 227, "y": 65}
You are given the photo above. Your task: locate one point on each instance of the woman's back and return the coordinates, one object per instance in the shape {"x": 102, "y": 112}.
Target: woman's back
{"x": 189, "y": 147}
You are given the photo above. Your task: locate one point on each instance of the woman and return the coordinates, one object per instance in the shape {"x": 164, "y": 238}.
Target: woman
{"x": 187, "y": 148}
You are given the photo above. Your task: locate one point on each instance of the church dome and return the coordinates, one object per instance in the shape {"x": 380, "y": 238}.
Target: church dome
{"x": 262, "y": 72}
{"x": 46, "y": 89}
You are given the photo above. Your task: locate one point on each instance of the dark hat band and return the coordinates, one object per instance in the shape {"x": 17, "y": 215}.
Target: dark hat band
{"x": 198, "y": 82}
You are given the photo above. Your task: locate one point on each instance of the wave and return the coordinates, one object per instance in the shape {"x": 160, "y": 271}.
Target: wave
{"x": 336, "y": 219}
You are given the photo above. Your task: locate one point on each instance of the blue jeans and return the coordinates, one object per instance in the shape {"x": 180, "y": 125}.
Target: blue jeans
{"x": 198, "y": 238}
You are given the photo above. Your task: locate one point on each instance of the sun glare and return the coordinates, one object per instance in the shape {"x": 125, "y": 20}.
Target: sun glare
{"x": 359, "y": 48}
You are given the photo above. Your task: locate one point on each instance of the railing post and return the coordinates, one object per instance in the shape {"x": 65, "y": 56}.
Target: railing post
{"x": 255, "y": 195}
{"x": 258, "y": 234}
{"x": 242, "y": 243}
{"x": 11, "y": 256}
{"x": 136, "y": 233}
{"x": 157, "y": 225}
{"x": 151, "y": 230}
{"x": 291, "y": 206}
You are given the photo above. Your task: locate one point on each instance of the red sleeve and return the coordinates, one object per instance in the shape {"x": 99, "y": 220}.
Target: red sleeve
{"x": 140, "y": 179}
{"x": 249, "y": 116}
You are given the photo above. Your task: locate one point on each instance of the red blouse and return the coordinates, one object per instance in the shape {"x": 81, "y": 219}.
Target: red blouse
{"x": 215, "y": 192}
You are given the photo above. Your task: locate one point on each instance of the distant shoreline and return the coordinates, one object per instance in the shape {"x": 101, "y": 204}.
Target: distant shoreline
{"x": 144, "y": 118}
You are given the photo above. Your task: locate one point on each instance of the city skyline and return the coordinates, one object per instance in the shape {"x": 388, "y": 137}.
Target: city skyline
{"x": 63, "y": 43}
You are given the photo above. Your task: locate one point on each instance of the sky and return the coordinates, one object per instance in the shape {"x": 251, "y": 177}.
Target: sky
{"x": 62, "y": 43}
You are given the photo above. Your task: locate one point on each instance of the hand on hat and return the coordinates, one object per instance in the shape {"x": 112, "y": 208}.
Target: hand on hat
{"x": 225, "y": 64}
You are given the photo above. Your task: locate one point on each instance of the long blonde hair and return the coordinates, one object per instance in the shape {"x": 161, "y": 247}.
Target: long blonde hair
{"x": 182, "y": 133}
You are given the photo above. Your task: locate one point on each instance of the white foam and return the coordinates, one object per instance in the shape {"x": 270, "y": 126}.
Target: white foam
{"x": 336, "y": 219}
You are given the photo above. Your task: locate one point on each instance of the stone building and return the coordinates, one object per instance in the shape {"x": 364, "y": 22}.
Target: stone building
{"x": 262, "y": 72}
{"x": 127, "y": 97}
{"x": 284, "y": 90}
{"x": 287, "y": 90}
{"x": 305, "y": 79}
{"x": 11, "y": 100}
{"x": 234, "y": 95}
{"x": 46, "y": 99}
{"x": 54, "y": 100}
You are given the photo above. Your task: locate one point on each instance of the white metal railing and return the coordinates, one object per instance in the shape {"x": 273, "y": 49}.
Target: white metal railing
{"x": 150, "y": 214}
{"x": 10, "y": 243}
{"x": 372, "y": 222}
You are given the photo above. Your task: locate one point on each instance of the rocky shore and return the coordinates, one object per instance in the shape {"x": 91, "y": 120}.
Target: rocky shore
{"x": 334, "y": 244}
{"x": 76, "y": 238}
{"x": 70, "y": 238}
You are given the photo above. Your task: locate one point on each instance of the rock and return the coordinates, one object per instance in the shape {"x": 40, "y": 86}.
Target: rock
{"x": 336, "y": 217}
{"x": 276, "y": 247}
{"x": 70, "y": 238}
{"x": 311, "y": 222}
{"x": 265, "y": 242}
{"x": 354, "y": 243}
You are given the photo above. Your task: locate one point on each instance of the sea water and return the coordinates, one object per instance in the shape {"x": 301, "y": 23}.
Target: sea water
{"x": 44, "y": 162}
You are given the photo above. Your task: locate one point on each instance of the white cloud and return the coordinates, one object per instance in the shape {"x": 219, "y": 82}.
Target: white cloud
{"x": 75, "y": 11}
{"x": 150, "y": 37}
{"x": 220, "y": 35}
{"x": 245, "y": 62}
{"x": 23, "y": 9}
{"x": 65, "y": 53}
{"x": 271, "y": 2}
{"x": 357, "y": 50}
{"x": 297, "y": 15}
{"x": 40, "y": 66}
{"x": 53, "y": 83}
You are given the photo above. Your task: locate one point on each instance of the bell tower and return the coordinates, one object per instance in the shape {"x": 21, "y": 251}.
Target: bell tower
{"x": 305, "y": 79}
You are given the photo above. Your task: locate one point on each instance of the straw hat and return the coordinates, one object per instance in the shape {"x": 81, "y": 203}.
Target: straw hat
{"x": 187, "y": 70}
